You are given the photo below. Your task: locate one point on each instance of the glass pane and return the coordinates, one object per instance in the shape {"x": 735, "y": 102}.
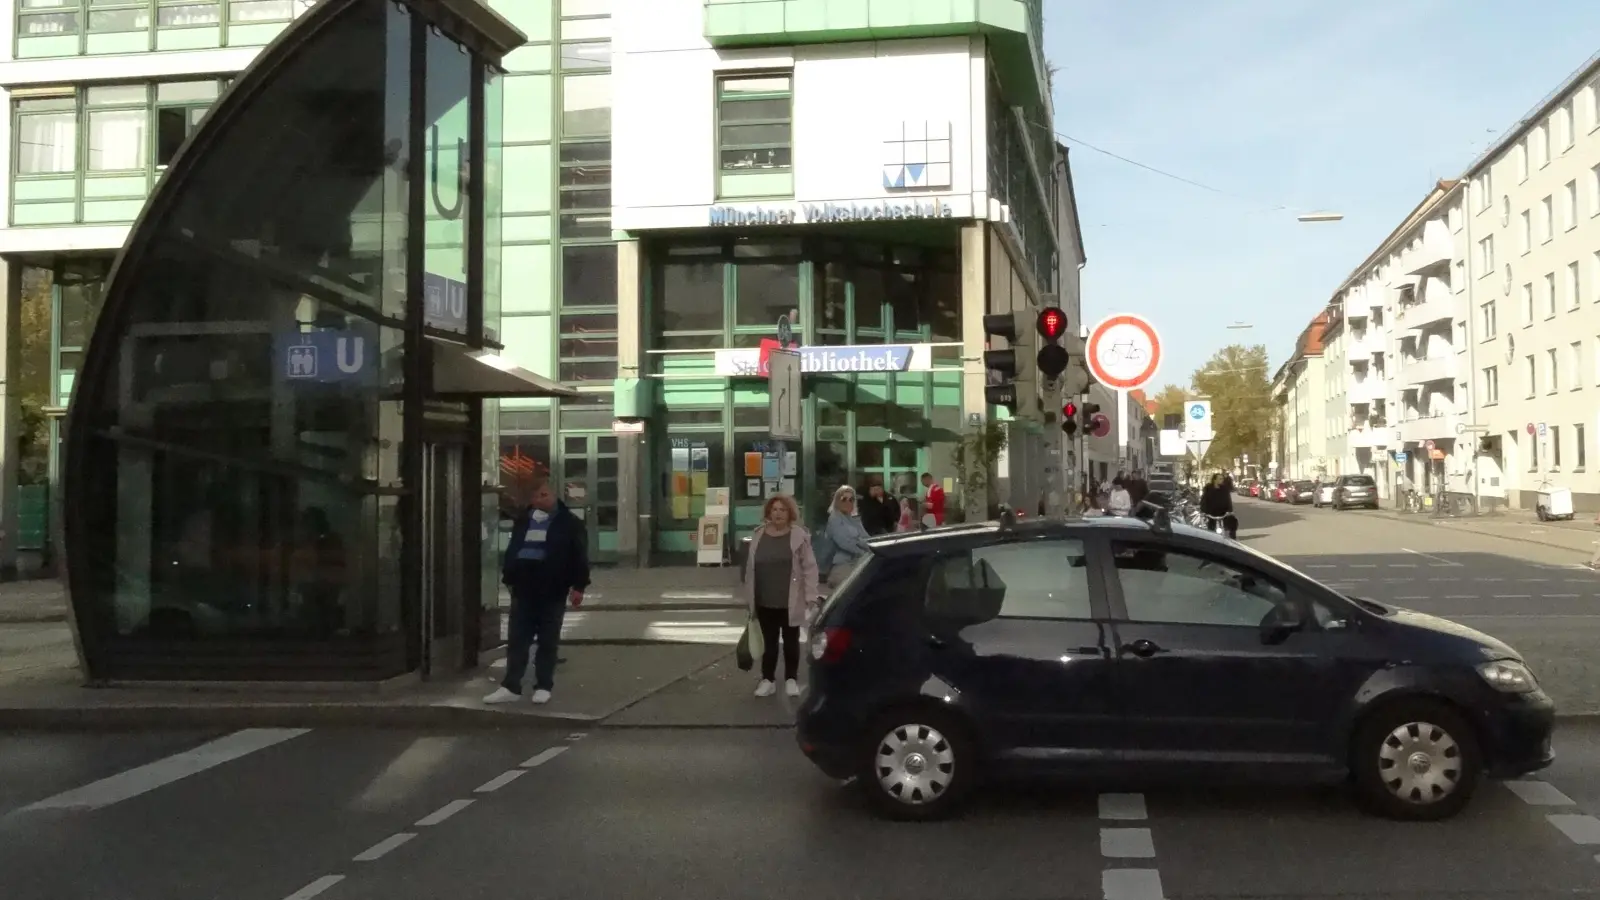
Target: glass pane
{"x": 117, "y": 139}
{"x": 586, "y": 151}
{"x": 186, "y": 92}
{"x": 767, "y": 291}
{"x": 117, "y": 95}
{"x": 586, "y": 7}
{"x": 244, "y": 11}
{"x": 111, "y": 21}
{"x": 586, "y": 174}
{"x": 586, "y": 105}
{"x": 234, "y": 472}
{"x": 770, "y": 158}
{"x": 493, "y": 200}
{"x": 51, "y": 24}
{"x": 589, "y": 55}
{"x": 680, "y": 460}
{"x": 589, "y": 276}
{"x": 869, "y": 297}
{"x": 691, "y": 295}
{"x": 764, "y": 110}
{"x": 575, "y": 348}
{"x": 591, "y": 199}
{"x": 448, "y": 205}
{"x": 765, "y": 84}
{"x": 47, "y": 143}
{"x": 172, "y": 131}
{"x": 745, "y": 135}
{"x": 190, "y": 15}
{"x": 589, "y": 371}
{"x": 586, "y": 225}
{"x": 585, "y": 29}
{"x": 589, "y": 323}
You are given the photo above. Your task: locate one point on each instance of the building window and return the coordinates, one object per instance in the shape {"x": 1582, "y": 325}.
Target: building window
{"x": 1569, "y": 206}
{"x": 1574, "y": 292}
{"x": 1548, "y": 288}
{"x": 1486, "y": 256}
{"x": 1489, "y": 323}
{"x": 755, "y": 123}
{"x": 1539, "y": 142}
{"x": 1555, "y": 447}
{"x": 1525, "y": 233}
{"x": 1547, "y": 219}
{"x": 1527, "y": 304}
{"x": 1561, "y": 128}
{"x": 1552, "y": 366}
{"x": 1491, "y": 385}
{"x": 1575, "y": 364}
{"x": 1531, "y": 374}
{"x": 55, "y": 28}
{"x": 1533, "y": 452}
{"x": 1459, "y": 276}
{"x": 585, "y": 190}
{"x": 1578, "y": 439}
{"x": 47, "y": 136}
{"x": 128, "y": 133}
{"x": 1594, "y": 191}
{"x": 586, "y": 106}
{"x": 1521, "y": 157}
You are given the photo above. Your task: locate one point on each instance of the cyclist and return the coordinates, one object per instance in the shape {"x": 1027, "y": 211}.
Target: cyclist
{"x": 1215, "y": 501}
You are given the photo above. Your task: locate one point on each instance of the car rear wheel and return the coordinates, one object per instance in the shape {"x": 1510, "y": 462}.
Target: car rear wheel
{"x": 918, "y": 766}
{"x": 1416, "y": 761}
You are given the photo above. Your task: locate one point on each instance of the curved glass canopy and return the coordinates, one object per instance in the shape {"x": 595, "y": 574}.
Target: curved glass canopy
{"x": 281, "y": 393}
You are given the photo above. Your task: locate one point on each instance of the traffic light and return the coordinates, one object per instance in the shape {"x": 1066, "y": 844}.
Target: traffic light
{"x": 1069, "y": 418}
{"x": 1087, "y": 414}
{"x": 1002, "y": 364}
{"x": 1052, "y": 326}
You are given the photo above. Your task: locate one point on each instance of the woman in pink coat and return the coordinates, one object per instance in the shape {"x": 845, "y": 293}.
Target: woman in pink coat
{"x": 780, "y": 586}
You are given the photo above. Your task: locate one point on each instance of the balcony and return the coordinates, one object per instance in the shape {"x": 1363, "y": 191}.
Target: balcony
{"x": 1438, "y": 304}
{"x": 1365, "y": 390}
{"x": 1430, "y": 428}
{"x": 1365, "y": 438}
{"x": 1362, "y": 344}
{"x": 1424, "y": 371}
{"x": 1436, "y": 248}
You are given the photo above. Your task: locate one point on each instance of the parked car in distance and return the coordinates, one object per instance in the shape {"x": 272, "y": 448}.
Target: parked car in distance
{"x": 1112, "y": 648}
{"x": 1256, "y": 488}
{"x": 1281, "y": 491}
{"x": 1324, "y": 495}
{"x": 1302, "y": 492}
{"x": 1355, "y": 490}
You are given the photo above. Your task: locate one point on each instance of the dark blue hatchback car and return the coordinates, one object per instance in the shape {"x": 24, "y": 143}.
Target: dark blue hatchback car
{"x": 1139, "y": 648}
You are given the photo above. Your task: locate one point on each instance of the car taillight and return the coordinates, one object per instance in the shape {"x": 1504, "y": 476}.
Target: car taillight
{"x": 830, "y": 644}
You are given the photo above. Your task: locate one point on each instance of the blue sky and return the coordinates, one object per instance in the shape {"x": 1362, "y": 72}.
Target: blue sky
{"x": 1355, "y": 106}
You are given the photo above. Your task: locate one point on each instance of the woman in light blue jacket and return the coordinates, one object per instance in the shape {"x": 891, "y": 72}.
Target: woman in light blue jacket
{"x": 846, "y": 535}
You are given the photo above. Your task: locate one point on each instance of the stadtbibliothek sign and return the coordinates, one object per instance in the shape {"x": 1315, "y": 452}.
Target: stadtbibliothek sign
{"x": 824, "y": 360}
{"x": 819, "y": 213}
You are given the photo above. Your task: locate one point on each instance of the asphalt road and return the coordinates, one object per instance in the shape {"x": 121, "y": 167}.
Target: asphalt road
{"x": 709, "y": 813}
{"x": 699, "y": 814}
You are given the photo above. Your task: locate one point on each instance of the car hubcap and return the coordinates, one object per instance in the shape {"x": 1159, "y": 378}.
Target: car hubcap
{"x": 915, "y": 764}
{"x": 1420, "y": 763}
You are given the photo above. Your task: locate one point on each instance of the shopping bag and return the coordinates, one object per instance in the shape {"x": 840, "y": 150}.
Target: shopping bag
{"x": 748, "y": 653}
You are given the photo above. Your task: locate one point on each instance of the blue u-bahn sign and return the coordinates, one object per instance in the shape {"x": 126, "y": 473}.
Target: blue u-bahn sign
{"x": 327, "y": 356}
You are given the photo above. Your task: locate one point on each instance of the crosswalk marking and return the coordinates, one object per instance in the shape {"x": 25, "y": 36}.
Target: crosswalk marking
{"x": 133, "y": 782}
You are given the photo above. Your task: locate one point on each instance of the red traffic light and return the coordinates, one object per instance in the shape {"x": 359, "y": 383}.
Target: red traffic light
{"x": 1052, "y": 323}
{"x": 1069, "y": 411}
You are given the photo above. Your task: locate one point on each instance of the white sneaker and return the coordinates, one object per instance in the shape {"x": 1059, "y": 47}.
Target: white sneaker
{"x": 766, "y": 688}
{"x": 541, "y": 696}
{"x": 502, "y": 695}
{"x": 791, "y": 687}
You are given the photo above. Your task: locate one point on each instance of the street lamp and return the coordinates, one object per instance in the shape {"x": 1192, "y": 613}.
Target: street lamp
{"x": 1320, "y": 217}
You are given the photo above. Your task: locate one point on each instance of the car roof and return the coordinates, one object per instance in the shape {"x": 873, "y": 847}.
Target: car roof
{"x": 914, "y": 543}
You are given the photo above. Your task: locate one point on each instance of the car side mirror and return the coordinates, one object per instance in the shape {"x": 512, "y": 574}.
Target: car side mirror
{"x": 1279, "y": 625}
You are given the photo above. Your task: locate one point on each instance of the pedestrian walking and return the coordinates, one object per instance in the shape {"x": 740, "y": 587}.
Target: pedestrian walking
{"x": 933, "y": 502}
{"x": 1120, "y": 503}
{"x": 879, "y": 512}
{"x": 846, "y": 537}
{"x": 780, "y": 587}
{"x": 546, "y": 565}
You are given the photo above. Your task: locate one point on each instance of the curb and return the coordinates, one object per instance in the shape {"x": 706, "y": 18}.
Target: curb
{"x": 697, "y": 726}
{"x": 48, "y": 618}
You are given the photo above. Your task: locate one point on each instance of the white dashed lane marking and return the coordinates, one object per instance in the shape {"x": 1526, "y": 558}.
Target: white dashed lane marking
{"x": 382, "y": 848}
{"x": 444, "y": 812}
{"x": 1580, "y": 829}
{"x": 1583, "y": 830}
{"x": 1127, "y": 843}
{"x": 539, "y": 759}
{"x": 1538, "y": 793}
{"x": 1131, "y": 884}
{"x": 499, "y": 781}
{"x": 1123, "y": 807}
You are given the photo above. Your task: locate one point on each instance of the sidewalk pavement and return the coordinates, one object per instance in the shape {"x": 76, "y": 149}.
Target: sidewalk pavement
{"x": 1579, "y": 535}
{"x": 631, "y": 639}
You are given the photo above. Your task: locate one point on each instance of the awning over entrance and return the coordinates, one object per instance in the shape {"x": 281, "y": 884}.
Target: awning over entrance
{"x": 464, "y": 372}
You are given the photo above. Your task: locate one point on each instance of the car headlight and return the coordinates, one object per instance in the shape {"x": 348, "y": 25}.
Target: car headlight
{"x": 1508, "y": 676}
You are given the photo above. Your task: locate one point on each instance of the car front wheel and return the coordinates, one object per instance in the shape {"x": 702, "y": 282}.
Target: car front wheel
{"x": 918, "y": 766}
{"x": 1416, "y": 761}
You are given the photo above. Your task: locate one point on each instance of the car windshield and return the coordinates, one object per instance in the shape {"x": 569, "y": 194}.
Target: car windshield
{"x": 1166, "y": 486}
{"x": 1303, "y": 485}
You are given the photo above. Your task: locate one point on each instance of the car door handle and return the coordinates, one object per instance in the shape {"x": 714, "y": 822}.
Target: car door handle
{"x": 1143, "y": 647}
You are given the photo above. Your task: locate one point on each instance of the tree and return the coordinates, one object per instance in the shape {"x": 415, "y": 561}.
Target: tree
{"x": 1169, "y": 401}
{"x": 1242, "y": 412}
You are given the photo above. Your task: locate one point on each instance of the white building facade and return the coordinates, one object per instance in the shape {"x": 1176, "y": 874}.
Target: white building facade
{"x": 1471, "y": 335}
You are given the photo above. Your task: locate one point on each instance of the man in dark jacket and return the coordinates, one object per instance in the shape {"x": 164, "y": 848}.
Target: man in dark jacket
{"x": 880, "y": 513}
{"x": 546, "y": 566}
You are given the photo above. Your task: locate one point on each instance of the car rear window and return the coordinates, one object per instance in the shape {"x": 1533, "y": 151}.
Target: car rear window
{"x": 1357, "y": 480}
{"x": 1303, "y": 485}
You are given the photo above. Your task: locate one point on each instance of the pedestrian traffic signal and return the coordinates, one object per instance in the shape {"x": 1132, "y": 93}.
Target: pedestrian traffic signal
{"x": 1002, "y": 364}
{"x": 1069, "y": 418}
{"x": 1052, "y": 323}
{"x": 1087, "y": 414}
{"x": 1069, "y": 411}
{"x": 1052, "y": 326}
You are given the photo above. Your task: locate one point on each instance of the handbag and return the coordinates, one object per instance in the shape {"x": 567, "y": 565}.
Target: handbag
{"x": 748, "y": 653}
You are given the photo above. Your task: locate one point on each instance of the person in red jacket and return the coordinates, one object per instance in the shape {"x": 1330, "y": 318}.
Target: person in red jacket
{"x": 933, "y": 505}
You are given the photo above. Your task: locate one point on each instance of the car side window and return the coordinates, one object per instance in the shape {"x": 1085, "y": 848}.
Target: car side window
{"x": 1021, "y": 580}
{"x": 1163, "y": 585}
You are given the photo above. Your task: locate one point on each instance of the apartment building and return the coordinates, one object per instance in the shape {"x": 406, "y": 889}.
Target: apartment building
{"x": 1471, "y": 334}
{"x": 1299, "y": 390}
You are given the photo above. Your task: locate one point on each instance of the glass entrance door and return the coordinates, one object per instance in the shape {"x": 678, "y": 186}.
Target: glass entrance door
{"x": 898, "y": 463}
{"x": 443, "y": 572}
{"x": 589, "y": 486}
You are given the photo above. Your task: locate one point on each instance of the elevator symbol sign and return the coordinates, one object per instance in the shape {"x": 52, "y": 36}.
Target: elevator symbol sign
{"x": 327, "y": 356}
{"x": 302, "y": 362}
